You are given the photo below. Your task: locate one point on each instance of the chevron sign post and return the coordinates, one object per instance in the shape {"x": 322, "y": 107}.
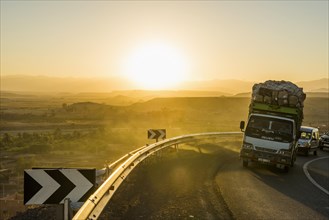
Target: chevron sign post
{"x": 52, "y": 186}
{"x": 156, "y": 134}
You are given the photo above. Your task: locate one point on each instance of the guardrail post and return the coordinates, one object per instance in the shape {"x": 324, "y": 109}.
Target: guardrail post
{"x": 176, "y": 147}
{"x": 199, "y": 148}
{"x": 158, "y": 155}
{"x": 107, "y": 170}
{"x": 68, "y": 213}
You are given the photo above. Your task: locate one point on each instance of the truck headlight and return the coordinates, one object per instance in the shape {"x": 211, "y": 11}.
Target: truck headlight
{"x": 284, "y": 152}
{"x": 247, "y": 145}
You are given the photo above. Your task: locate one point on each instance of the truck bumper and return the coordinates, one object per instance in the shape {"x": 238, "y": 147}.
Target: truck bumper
{"x": 265, "y": 157}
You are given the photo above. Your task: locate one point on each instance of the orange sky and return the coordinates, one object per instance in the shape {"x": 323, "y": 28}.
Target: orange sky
{"x": 160, "y": 43}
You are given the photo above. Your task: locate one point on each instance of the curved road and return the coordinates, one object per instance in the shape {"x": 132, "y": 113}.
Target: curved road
{"x": 209, "y": 182}
{"x": 261, "y": 192}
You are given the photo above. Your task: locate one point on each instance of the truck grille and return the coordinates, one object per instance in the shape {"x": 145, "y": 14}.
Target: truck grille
{"x": 265, "y": 149}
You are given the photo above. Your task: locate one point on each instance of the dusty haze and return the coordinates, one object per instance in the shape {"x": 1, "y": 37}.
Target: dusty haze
{"x": 74, "y": 84}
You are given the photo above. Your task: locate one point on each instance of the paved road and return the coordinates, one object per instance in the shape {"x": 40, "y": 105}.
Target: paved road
{"x": 211, "y": 183}
{"x": 317, "y": 171}
{"x": 261, "y": 192}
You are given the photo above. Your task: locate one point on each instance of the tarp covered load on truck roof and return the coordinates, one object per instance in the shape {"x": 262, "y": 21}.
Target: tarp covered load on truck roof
{"x": 282, "y": 93}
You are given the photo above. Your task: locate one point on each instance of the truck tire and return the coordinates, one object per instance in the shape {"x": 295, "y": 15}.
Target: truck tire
{"x": 294, "y": 157}
{"x": 315, "y": 153}
{"x": 306, "y": 153}
{"x": 245, "y": 163}
{"x": 286, "y": 169}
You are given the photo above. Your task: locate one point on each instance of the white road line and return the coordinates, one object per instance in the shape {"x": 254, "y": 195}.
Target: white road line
{"x": 309, "y": 176}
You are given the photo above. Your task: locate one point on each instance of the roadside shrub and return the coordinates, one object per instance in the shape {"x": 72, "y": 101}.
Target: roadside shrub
{"x": 25, "y": 163}
{"x": 39, "y": 148}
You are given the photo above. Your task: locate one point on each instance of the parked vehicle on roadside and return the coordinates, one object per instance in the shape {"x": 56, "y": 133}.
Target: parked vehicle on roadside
{"x": 324, "y": 140}
{"x": 308, "y": 141}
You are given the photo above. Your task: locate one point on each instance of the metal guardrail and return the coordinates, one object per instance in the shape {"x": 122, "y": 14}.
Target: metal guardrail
{"x": 94, "y": 206}
{"x": 112, "y": 166}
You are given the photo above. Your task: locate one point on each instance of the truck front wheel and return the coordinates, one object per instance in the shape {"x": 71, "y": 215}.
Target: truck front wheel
{"x": 245, "y": 163}
{"x": 293, "y": 159}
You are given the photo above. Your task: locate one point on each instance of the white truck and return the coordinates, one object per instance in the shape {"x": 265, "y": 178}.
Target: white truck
{"x": 273, "y": 128}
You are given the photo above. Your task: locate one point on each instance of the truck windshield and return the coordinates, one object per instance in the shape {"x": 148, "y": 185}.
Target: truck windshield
{"x": 270, "y": 129}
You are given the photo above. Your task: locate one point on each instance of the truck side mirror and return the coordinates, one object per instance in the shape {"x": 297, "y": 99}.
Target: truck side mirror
{"x": 242, "y": 124}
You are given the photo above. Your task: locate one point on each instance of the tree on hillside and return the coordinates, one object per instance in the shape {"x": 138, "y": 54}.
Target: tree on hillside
{"x": 40, "y": 148}
{"x": 7, "y": 138}
{"x": 58, "y": 133}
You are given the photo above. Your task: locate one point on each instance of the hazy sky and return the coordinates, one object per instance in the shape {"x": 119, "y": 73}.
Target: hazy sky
{"x": 251, "y": 40}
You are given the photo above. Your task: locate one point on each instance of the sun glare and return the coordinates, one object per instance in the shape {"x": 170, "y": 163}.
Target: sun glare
{"x": 156, "y": 66}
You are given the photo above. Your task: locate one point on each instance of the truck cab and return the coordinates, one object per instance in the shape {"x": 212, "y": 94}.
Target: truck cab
{"x": 308, "y": 141}
{"x": 269, "y": 139}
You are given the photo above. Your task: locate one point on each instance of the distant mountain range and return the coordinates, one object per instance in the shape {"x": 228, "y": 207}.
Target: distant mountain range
{"x": 20, "y": 83}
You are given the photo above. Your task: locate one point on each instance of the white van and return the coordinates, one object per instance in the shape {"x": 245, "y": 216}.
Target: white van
{"x": 308, "y": 141}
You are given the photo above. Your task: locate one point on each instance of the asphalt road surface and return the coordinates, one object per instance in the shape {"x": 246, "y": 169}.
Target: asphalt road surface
{"x": 261, "y": 192}
{"x": 213, "y": 184}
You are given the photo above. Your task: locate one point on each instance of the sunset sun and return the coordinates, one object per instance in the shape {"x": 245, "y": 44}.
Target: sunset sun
{"x": 156, "y": 66}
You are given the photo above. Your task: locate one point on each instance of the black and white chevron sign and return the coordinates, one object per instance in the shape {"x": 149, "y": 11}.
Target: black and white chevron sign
{"x": 156, "y": 133}
{"x": 52, "y": 186}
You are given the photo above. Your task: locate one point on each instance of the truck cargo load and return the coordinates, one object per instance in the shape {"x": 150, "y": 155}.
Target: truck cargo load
{"x": 282, "y": 93}
{"x": 282, "y": 98}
